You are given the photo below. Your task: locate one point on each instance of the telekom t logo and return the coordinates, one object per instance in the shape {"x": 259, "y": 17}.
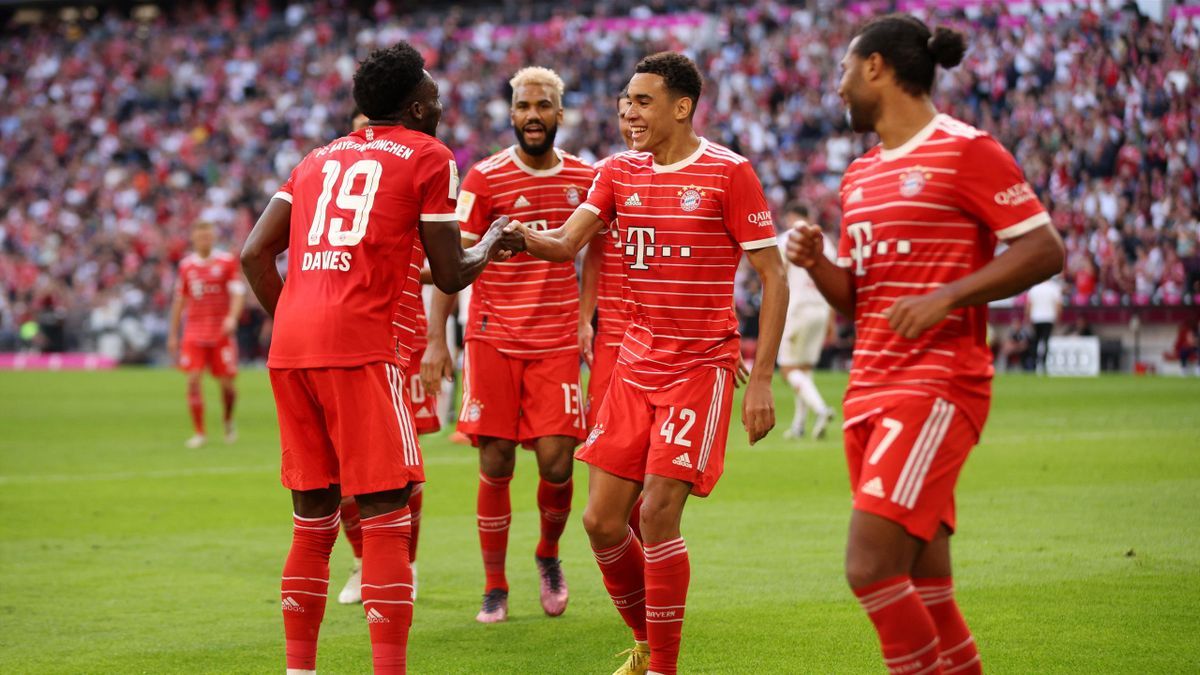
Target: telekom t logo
{"x": 861, "y": 234}
{"x": 643, "y": 236}
{"x": 640, "y": 244}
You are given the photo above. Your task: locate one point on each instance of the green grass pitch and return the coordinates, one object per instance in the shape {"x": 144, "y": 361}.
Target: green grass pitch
{"x": 122, "y": 552}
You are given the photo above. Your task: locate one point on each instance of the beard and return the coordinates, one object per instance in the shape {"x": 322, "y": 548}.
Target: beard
{"x": 540, "y": 148}
{"x": 862, "y": 115}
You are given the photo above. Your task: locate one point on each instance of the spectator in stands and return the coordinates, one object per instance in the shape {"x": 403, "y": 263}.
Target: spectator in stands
{"x": 1186, "y": 349}
{"x": 1014, "y": 347}
{"x": 1043, "y": 305}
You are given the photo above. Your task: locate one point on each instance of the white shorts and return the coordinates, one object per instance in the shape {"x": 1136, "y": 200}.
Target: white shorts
{"x": 803, "y": 336}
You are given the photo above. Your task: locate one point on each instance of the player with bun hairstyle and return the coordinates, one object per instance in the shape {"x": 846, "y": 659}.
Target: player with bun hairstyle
{"x": 922, "y": 213}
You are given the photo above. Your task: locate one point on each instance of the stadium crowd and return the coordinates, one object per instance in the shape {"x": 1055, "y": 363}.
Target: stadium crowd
{"x": 116, "y": 133}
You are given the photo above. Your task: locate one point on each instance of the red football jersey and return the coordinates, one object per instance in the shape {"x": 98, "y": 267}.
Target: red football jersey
{"x": 682, "y": 229}
{"x": 412, "y": 303}
{"x": 206, "y": 286}
{"x": 524, "y": 307}
{"x": 353, "y": 265}
{"x": 915, "y": 218}
{"x": 614, "y": 312}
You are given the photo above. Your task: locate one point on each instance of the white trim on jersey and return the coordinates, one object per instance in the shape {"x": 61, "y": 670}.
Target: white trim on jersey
{"x": 285, "y": 196}
{"x": 913, "y": 143}
{"x": 439, "y": 217}
{"x": 470, "y": 235}
{"x": 552, "y": 171}
{"x": 758, "y": 243}
{"x": 589, "y": 207}
{"x": 1025, "y": 226}
{"x": 683, "y": 163}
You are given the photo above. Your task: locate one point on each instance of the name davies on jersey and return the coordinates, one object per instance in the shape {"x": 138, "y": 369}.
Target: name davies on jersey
{"x": 325, "y": 260}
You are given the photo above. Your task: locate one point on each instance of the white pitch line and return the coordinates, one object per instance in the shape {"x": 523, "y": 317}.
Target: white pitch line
{"x": 465, "y": 458}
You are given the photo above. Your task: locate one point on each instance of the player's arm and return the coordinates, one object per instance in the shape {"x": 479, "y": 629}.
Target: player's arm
{"x": 805, "y": 248}
{"x": 589, "y": 284}
{"x": 237, "y": 302}
{"x": 561, "y": 244}
{"x": 175, "y": 318}
{"x": 437, "y": 364}
{"x": 267, "y": 240}
{"x": 1030, "y": 258}
{"x": 758, "y": 405}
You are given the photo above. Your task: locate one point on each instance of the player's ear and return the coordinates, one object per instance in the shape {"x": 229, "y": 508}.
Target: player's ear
{"x": 872, "y": 67}
{"x": 683, "y": 107}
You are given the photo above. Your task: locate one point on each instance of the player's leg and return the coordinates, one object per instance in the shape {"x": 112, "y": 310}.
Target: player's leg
{"x": 351, "y": 592}
{"x": 552, "y": 424}
{"x": 686, "y": 456}
{"x": 904, "y": 463}
{"x": 668, "y": 569}
{"x": 814, "y": 325}
{"x": 490, "y": 416}
{"x": 379, "y": 460}
{"x": 423, "y": 406}
{"x": 305, "y": 582}
{"x": 497, "y": 460}
{"x": 620, "y": 557}
{"x": 616, "y": 452}
{"x": 800, "y": 411}
{"x": 191, "y": 361}
{"x": 310, "y": 470}
{"x": 555, "y": 457}
{"x": 387, "y": 586}
{"x": 823, "y": 413}
{"x": 934, "y": 582}
{"x": 224, "y": 368}
{"x": 415, "y": 503}
{"x": 788, "y": 360}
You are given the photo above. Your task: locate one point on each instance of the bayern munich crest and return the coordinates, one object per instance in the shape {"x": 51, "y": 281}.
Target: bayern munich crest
{"x": 474, "y": 410}
{"x": 913, "y": 181}
{"x": 689, "y": 198}
{"x": 573, "y": 197}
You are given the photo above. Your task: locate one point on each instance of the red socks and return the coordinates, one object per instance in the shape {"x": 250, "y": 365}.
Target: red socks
{"x": 622, "y": 567}
{"x": 906, "y": 630}
{"x": 305, "y": 585}
{"x": 554, "y": 505}
{"x": 957, "y": 646}
{"x": 494, "y": 513}
{"x": 667, "y": 575}
{"x": 195, "y": 401}
{"x": 351, "y": 525}
{"x": 387, "y": 588}
{"x": 414, "y": 507}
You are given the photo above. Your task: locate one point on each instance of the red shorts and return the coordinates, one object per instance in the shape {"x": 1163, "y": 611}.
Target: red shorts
{"x": 220, "y": 359}
{"x": 904, "y": 462}
{"x": 604, "y": 360}
{"x": 345, "y": 426}
{"x": 679, "y": 432}
{"x": 422, "y": 404}
{"x": 518, "y": 399}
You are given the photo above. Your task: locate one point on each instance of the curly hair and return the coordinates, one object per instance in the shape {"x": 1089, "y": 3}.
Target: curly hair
{"x": 911, "y": 49}
{"x": 386, "y": 80}
{"x": 679, "y": 74}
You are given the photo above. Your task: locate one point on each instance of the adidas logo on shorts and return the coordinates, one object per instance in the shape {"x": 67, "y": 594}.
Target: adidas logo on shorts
{"x": 290, "y": 605}
{"x": 682, "y": 460}
{"x": 633, "y": 200}
{"x": 373, "y": 616}
{"x": 873, "y": 487}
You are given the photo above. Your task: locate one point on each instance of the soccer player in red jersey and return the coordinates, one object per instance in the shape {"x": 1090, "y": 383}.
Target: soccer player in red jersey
{"x": 423, "y": 408}
{"x": 922, "y": 213}
{"x": 686, "y": 209}
{"x": 521, "y": 363}
{"x": 210, "y": 296}
{"x": 350, "y": 216}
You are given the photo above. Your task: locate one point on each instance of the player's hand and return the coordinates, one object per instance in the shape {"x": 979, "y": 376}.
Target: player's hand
{"x": 741, "y": 373}
{"x": 510, "y": 237}
{"x": 758, "y": 410}
{"x": 912, "y": 315}
{"x": 228, "y": 325}
{"x": 173, "y": 347}
{"x": 805, "y": 244}
{"x": 436, "y": 365}
{"x": 587, "y": 335}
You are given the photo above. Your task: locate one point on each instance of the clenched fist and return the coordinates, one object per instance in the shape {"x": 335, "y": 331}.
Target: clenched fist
{"x": 805, "y": 244}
